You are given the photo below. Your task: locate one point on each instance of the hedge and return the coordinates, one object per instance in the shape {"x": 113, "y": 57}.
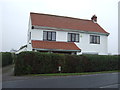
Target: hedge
{"x": 7, "y": 58}
{"x": 41, "y": 63}
{"x": 102, "y": 62}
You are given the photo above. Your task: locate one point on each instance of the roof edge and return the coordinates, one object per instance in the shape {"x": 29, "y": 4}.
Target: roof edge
{"x": 57, "y": 50}
{"x": 62, "y": 29}
{"x": 53, "y": 41}
{"x": 59, "y": 16}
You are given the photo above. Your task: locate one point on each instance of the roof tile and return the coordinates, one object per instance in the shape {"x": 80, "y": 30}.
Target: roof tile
{"x": 54, "y": 45}
{"x": 47, "y": 20}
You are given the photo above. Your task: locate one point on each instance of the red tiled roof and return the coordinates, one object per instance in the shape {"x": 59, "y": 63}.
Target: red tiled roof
{"x": 47, "y": 20}
{"x": 54, "y": 45}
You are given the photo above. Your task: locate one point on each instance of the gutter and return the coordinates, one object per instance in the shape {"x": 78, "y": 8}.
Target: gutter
{"x": 57, "y": 50}
{"x": 69, "y": 30}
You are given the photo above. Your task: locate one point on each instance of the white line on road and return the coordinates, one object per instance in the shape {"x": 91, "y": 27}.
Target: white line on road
{"x": 114, "y": 73}
{"x": 111, "y": 86}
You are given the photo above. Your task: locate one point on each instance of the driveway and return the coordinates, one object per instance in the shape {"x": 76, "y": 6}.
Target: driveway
{"x": 106, "y": 80}
{"x": 8, "y": 75}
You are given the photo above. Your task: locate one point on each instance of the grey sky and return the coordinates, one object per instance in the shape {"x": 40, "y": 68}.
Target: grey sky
{"x": 119, "y": 28}
{"x": 15, "y": 17}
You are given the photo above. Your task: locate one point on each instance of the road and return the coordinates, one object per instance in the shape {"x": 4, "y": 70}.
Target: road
{"x": 106, "y": 80}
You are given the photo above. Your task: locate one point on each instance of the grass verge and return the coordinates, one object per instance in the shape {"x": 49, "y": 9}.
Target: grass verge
{"x": 70, "y": 74}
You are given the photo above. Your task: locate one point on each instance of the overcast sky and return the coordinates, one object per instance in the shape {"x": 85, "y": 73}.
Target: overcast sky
{"x": 15, "y": 18}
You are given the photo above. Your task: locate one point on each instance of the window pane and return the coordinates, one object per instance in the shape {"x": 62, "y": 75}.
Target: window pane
{"x": 98, "y": 39}
{"x": 44, "y": 35}
{"x": 91, "y": 39}
{"x": 69, "y": 37}
{"x": 53, "y": 36}
{"x": 95, "y": 39}
{"x": 49, "y": 36}
{"x": 73, "y": 37}
{"x": 77, "y": 38}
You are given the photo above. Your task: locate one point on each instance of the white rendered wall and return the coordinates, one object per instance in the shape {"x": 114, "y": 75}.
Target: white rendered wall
{"x": 83, "y": 44}
{"x": 29, "y": 47}
{"x": 86, "y": 47}
{"x": 29, "y": 30}
{"x": 36, "y": 34}
{"x": 61, "y": 36}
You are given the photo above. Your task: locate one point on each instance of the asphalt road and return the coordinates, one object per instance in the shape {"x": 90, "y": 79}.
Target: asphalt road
{"x": 106, "y": 80}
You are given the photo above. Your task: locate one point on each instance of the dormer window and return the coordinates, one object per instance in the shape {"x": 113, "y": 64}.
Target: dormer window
{"x": 49, "y": 36}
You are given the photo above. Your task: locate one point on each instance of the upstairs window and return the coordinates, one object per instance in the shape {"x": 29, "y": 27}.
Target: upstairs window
{"x": 73, "y": 37}
{"x": 49, "y": 36}
{"x": 94, "y": 39}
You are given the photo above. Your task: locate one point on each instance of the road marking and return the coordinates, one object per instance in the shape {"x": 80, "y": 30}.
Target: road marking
{"x": 114, "y": 73}
{"x": 114, "y": 85}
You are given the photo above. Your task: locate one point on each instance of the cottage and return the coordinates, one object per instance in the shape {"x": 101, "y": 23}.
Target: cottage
{"x": 61, "y": 34}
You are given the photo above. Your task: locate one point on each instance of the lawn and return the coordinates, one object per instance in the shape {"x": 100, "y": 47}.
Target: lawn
{"x": 69, "y": 74}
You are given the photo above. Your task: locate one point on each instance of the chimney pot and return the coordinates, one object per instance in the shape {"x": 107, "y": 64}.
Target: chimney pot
{"x": 94, "y": 18}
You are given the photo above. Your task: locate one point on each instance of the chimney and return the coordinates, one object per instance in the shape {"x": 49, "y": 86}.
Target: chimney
{"x": 94, "y": 18}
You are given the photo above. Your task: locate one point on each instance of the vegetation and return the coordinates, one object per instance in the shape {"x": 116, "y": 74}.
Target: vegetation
{"x": 70, "y": 74}
{"x": 45, "y": 63}
{"x": 7, "y": 58}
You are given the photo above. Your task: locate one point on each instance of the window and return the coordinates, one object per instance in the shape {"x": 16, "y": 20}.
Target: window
{"x": 73, "y": 37}
{"x": 49, "y": 36}
{"x": 94, "y": 39}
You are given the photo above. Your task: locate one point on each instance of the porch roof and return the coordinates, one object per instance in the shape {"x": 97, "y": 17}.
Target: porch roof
{"x": 55, "y": 46}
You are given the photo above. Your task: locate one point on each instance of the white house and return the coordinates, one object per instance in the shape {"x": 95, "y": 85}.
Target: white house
{"x": 61, "y": 34}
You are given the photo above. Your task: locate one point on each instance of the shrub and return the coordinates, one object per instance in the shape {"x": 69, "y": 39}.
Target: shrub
{"x": 6, "y": 58}
{"x": 40, "y": 63}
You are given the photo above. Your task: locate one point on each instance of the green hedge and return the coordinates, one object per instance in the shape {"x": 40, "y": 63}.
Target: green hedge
{"x": 36, "y": 62}
{"x": 102, "y": 62}
{"x": 6, "y": 58}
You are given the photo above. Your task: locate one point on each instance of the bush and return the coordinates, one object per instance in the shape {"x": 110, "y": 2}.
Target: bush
{"x": 6, "y": 58}
{"x": 41, "y": 63}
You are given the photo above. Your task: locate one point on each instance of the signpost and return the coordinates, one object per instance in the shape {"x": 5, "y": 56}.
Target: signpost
{"x": 59, "y": 69}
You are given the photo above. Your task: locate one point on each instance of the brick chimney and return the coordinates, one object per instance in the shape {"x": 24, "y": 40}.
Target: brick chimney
{"x": 94, "y": 18}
